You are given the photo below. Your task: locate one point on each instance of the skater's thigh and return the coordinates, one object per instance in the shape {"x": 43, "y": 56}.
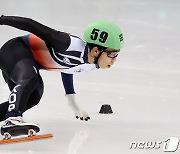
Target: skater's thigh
{"x": 24, "y": 70}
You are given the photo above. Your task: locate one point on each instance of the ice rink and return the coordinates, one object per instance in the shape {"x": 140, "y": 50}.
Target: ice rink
{"x": 143, "y": 87}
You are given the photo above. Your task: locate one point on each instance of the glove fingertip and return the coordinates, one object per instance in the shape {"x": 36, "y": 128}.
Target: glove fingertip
{"x": 86, "y": 119}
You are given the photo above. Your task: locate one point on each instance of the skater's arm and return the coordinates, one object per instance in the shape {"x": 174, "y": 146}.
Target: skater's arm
{"x": 67, "y": 80}
{"x": 58, "y": 40}
{"x": 71, "y": 97}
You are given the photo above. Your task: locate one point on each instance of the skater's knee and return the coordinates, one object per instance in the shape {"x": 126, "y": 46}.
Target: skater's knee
{"x": 30, "y": 83}
{"x": 34, "y": 99}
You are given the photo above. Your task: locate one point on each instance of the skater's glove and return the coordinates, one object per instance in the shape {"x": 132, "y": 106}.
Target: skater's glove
{"x": 1, "y": 19}
{"x": 78, "y": 111}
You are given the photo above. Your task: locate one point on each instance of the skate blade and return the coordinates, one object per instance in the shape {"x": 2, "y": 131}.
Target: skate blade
{"x": 28, "y": 138}
{"x": 19, "y": 130}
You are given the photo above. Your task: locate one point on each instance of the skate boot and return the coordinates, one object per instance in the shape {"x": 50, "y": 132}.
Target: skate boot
{"x": 15, "y": 126}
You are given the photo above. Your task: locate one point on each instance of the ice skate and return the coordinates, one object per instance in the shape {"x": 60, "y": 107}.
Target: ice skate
{"x": 15, "y": 126}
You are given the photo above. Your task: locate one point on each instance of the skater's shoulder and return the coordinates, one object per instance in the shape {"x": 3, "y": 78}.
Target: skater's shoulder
{"x": 76, "y": 44}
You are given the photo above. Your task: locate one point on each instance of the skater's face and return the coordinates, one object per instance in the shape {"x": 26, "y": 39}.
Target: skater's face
{"x": 107, "y": 58}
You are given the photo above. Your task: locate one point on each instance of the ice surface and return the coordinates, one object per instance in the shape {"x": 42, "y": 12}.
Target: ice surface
{"x": 143, "y": 87}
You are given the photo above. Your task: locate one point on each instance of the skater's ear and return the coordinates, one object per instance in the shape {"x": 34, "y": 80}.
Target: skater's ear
{"x": 95, "y": 49}
{"x": 94, "y": 52}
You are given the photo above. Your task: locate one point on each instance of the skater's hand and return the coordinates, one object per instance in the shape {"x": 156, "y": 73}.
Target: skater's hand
{"x": 78, "y": 111}
{"x": 1, "y": 20}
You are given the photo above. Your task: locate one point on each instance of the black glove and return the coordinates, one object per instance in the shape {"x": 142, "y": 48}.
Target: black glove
{"x": 1, "y": 19}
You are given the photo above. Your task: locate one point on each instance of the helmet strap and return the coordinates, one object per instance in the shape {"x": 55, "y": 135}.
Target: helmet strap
{"x": 96, "y": 59}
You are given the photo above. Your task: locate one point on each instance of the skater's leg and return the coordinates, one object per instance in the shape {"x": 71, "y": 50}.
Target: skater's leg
{"x": 17, "y": 123}
{"x": 33, "y": 100}
{"x": 26, "y": 77}
{"x": 20, "y": 68}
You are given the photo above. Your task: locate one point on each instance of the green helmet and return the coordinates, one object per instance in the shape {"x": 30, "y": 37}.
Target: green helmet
{"x": 104, "y": 33}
